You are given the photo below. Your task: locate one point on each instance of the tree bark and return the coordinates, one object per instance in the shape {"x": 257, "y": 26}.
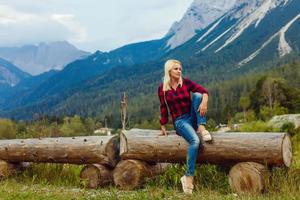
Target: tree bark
{"x": 7, "y": 169}
{"x": 226, "y": 148}
{"x": 73, "y": 150}
{"x": 130, "y": 174}
{"x": 95, "y": 175}
{"x": 248, "y": 178}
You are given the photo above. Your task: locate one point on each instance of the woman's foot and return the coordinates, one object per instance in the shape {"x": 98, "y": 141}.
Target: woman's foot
{"x": 205, "y": 135}
{"x": 187, "y": 184}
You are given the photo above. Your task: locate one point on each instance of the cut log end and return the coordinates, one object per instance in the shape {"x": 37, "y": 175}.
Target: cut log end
{"x": 248, "y": 178}
{"x": 287, "y": 151}
{"x": 128, "y": 174}
{"x": 96, "y": 175}
{"x": 7, "y": 169}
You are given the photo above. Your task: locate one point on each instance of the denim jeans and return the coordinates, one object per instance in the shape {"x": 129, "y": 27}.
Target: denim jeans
{"x": 186, "y": 125}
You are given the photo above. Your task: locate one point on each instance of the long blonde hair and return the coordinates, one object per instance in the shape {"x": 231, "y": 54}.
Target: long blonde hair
{"x": 167, "y": 79}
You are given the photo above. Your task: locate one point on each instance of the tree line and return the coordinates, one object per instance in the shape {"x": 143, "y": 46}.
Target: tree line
{"x": 255, "y": 96}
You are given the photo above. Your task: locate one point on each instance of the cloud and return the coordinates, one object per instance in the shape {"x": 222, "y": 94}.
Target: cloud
{"x": 19, "y": 28}
{"x": 9, "y": 15}
{"x": 78, "y": 30}
{"x": 90, "y": 25}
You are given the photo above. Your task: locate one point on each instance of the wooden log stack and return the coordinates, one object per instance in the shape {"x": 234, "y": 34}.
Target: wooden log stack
{"x": 143, "y": 153}
{"x": 249, "y": 153}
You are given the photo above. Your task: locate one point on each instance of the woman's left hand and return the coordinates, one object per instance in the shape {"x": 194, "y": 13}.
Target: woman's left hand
{"x": 202, "y": 109}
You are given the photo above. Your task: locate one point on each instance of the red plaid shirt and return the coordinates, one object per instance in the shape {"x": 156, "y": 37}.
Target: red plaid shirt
{"x": 179, "y": 100}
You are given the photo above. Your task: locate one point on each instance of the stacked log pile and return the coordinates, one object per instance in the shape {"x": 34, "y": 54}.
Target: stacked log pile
{"x": 250, "y": 154}
{"x": 102, "y": 150}
{"x": 144, "y": 154}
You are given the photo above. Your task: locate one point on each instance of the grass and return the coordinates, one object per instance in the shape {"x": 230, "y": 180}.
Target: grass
{"x": 53, "y": 181}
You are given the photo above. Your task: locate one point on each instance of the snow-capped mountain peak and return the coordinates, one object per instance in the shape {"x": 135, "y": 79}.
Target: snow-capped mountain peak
{"x": 200, "y": 14}
{"x": 245, "y": 14}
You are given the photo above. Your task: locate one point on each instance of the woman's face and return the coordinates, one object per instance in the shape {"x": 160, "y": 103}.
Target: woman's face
{"x": 175, "y": 72}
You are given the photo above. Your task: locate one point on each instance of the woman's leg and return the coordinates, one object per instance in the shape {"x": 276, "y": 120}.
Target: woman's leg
{"x": 197, "y": 119}
{"x": 186, "y": 130}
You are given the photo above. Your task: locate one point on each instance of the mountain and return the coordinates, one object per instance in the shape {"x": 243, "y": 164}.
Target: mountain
{"x": 36, "y": 59}
{"x": 249, "y": 34}
{"x": 10, "y": 74}
{"x": 199, "y": 15}
{"x": 252, "y": 35}
{"x": 10, "y": 95}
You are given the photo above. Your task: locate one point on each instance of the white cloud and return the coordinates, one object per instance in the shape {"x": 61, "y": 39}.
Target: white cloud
{"x": 19, "y": 27}
{"x": 9, "y": 15}
{"x": 78, "y": 30}
{"x": 90, "y": 25}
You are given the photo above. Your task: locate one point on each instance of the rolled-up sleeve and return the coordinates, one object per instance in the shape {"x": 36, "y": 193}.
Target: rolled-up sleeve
{"x": 163, "y": 107}
{"x": 194, "y": 87}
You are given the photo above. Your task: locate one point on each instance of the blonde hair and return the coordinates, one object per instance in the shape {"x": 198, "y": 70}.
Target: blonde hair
{"x": 168, "y": 66}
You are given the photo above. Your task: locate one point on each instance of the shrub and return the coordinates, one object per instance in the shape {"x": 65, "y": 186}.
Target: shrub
{"x": 7, "y": 129}
{"x": 267, "y": 113}
{"x": 250, "y": 116}
{"x": 211, "y": 125}
{"x": 289, "y": 128}
{"x": 255, "y": 126}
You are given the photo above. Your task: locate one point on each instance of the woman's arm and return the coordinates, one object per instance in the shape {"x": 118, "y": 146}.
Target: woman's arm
{"x": 163, "y": 111}
{"x": 163, "y": 130}
{"x": 203, "y": 106}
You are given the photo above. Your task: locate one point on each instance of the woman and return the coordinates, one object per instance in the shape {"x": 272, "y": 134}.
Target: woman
{"x": 188, "y": 115}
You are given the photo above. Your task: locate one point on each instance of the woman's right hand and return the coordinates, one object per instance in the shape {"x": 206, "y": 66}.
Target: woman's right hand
{"x": 163, "y": 131}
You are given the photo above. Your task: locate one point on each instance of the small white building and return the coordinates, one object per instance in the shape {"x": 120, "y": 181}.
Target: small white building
{"x": 105, "y": 130}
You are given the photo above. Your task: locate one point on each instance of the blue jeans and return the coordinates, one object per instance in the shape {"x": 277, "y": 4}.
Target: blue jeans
{"x": 186, "y": 125}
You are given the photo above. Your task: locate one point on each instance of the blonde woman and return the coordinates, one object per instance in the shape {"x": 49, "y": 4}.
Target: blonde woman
{"x": 188, "y": 114}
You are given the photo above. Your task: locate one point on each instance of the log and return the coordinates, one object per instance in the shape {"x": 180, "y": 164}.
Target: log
{"x": 226, "y": 148}
{"x": 73, "y": 150}
{"x": 248, "y": 178}
{"x": 130, "y": 174}
{"x": 96, "y": 175}
{"x": 7, "y": 169}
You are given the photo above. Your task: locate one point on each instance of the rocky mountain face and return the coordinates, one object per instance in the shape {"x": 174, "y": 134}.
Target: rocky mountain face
{"x": 36, "y": 59}
{"x": 199, "y": 15}
{"x": 10, "y": 74}
{"x": 250, "y": 33}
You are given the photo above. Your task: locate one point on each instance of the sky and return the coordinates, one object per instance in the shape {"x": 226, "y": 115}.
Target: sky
{"x": 90, "y": 25}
